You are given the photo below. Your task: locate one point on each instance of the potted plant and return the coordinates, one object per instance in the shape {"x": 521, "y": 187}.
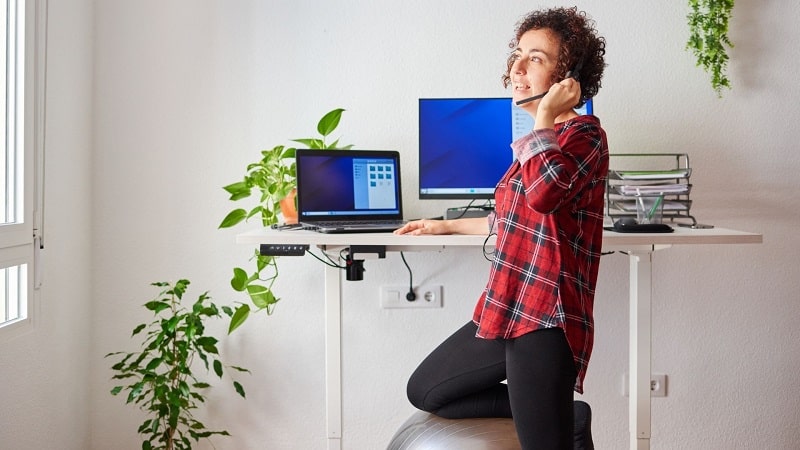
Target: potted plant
{"x": 162, "y": 378}
{"x": 708, "y": 38}
{"x": 274, "y": 179}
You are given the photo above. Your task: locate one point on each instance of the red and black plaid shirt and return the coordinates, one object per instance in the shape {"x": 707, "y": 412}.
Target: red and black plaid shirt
{"x": 549, "y": 224}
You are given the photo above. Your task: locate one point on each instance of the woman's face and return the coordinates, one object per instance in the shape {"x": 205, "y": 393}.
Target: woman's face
{"x": 535, "y": 60}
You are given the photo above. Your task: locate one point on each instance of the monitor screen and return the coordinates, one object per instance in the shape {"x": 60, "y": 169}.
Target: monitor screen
{"x": 464, "y": 144}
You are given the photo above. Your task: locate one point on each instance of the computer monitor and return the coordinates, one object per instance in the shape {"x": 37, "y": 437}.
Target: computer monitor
{"x": 464, "y": 144}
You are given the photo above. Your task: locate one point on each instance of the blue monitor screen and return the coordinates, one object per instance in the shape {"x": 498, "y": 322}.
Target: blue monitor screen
{"x": 464, "y": 144}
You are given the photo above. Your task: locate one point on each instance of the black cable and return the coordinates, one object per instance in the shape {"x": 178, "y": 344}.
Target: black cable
{"x": 327, "y": 263}
{"x": 488, "y": 254}
{"x": 465, "y": 209}
{"x": 411, "y": 296}
{"x": 488, "y": 205}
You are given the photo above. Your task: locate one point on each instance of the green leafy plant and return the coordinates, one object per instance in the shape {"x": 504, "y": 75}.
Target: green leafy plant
{"x": 708, "y": 38}
{"x": 273, "y": 178}
{"x": 162, "y": 377}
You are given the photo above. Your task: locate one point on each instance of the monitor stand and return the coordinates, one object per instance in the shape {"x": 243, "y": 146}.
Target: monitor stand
{"x": 468, "y": 211}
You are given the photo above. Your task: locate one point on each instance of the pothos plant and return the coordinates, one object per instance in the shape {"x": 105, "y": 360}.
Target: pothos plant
{"x": 273, "y": 178}
{"x": 162, "y": 378}
{"x": 708, "y": 38}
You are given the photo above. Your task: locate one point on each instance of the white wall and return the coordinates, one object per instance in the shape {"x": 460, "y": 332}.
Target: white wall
{"x": 44, "y": 395}
{"x": 187, "y": 92}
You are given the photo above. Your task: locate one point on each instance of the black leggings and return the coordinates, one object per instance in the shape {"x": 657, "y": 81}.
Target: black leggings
{"x": 463, "y": 378}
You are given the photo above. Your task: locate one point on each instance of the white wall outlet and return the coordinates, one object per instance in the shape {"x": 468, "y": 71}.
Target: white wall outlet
{"x": 658, "y": 385}
{"x": 427, "y": 296}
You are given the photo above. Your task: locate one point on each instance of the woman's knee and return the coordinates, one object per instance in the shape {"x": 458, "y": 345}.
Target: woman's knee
{"x": 417, "y": 391}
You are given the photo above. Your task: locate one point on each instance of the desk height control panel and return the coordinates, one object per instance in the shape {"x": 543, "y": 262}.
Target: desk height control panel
{"x": 283, "y": 249}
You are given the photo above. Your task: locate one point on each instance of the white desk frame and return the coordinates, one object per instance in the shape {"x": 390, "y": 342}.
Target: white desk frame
{"x": 639, "y": 247}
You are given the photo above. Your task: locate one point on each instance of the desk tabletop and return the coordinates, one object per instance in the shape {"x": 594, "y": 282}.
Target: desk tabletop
{"x": 611, "y": 240}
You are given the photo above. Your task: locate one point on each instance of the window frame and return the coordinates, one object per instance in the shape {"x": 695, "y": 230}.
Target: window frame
{"x": 20, "y": 242}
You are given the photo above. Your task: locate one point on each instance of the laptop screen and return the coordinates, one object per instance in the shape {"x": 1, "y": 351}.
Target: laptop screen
{"x": 348, "y": 185}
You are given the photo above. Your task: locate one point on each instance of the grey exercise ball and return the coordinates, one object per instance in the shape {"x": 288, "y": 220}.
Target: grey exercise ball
{"x": 425, "y": 431}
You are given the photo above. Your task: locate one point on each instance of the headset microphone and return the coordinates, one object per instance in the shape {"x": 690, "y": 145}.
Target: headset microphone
{"x": 530, "y": 99}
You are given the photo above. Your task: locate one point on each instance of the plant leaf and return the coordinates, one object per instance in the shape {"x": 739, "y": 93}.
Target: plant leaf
{"x": 329, "y": 122}
{"x": 218, "y": 368}
{"x": 311, "y": 143}
{"x": 255, "y": 211}
{"x": 169, "y": 325}
{"x": 233, "y": 218}
{"x": 239, "y": 389}
{"x": 208, "y": 343}
{"x": 240, "y": 369}
{"x": 135, "y": 391}
{"x": 262, "y": 261}
{"x": 180, "y": 288}
{"x": 238, "y": 190}
{"x": 289, "y": 153}
{"x": 155, "y": 362}
{"x": 227, "y": 310}
{"x": 156, "y": 306}
{"x": 144, "y": 426}
{"x": 260, "y": 295}
{"x": 241, "y": 314}
{"x": 239, "y": 280}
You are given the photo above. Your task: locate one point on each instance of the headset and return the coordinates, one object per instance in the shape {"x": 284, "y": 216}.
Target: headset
{"x": 574, "y": 73}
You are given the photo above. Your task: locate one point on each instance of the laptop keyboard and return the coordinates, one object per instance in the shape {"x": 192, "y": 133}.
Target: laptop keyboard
{"x": 352, "y": 223}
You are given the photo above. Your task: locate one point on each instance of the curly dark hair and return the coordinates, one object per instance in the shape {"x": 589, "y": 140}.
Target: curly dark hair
{"x": 580, "y": 46}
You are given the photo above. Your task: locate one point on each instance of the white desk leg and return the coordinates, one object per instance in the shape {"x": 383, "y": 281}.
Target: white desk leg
{"x": 639, "y": 354}
{"x": 333, "y": 357}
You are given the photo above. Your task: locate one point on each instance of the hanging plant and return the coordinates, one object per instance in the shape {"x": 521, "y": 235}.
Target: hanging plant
{"x": 272, "y": 179}
{"x": 708, "y": 38}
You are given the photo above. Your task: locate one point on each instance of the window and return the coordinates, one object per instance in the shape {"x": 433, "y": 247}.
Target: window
{"x": 20, "y": 129}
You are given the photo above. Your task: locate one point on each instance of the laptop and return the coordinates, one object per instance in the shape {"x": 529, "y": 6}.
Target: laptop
{"x": 349, "y": 191}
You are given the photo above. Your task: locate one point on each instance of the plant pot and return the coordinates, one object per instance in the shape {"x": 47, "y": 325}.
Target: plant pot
{"x": 289, "y": 207}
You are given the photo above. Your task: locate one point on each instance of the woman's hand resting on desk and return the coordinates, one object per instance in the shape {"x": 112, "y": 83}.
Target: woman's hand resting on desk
{"x": 475, "y": 225}
{"x": 424, "y": 226}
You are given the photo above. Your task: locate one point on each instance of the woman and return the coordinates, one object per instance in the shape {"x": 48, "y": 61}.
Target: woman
{"x": 533, "y": 324}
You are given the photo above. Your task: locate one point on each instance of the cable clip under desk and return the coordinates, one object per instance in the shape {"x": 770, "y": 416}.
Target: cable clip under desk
{"x": 355, "y": 267}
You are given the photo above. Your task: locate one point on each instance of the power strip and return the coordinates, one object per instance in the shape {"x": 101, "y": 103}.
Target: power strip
{"x": 283, "y": 249}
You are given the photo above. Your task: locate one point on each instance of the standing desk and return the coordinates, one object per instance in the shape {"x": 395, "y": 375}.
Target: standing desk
{"x": 639, "y": 247}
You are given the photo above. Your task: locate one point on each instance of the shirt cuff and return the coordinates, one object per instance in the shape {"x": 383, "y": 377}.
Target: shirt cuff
{"x": 533, "y": 143}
